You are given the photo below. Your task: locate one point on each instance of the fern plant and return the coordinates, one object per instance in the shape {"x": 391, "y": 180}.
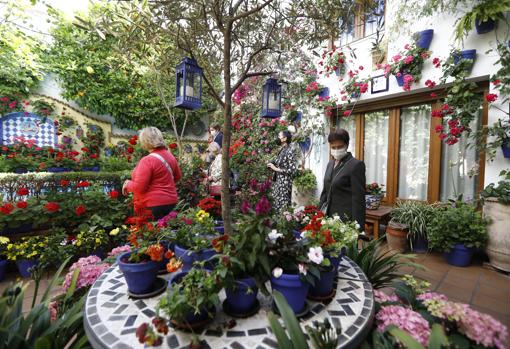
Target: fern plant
{"x": 483, "y": 11}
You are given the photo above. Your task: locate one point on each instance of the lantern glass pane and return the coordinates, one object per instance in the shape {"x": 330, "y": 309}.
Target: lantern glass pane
{"x": 273, "y": 102}
{"x": 179, "y": 84}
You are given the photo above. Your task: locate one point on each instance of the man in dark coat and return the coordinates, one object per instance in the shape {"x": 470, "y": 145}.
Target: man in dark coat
{"x": 344, "y": 182}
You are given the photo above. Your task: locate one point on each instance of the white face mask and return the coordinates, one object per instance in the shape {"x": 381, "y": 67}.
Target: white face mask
{"x": 214, "y": 133}
{"x": 338, "y": 153}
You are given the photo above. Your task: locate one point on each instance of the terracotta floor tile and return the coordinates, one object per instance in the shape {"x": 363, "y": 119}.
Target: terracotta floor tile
{"x": 429, "y": 275}
{"x": 472, "y": 274}
{"x": 494, "y": 304}
{"x": 462, "y": 279}
{"x": 460, "y": 293}
{"x": 495, "y": 279}
{"x": 494, "y": 292}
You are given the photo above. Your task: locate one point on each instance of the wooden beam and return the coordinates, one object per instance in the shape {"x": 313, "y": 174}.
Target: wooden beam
{"x": 434, "y": 176}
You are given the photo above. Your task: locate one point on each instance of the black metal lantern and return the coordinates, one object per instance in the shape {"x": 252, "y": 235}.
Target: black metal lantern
{"x": 272, "y": 99}
{"x": 188, "y": 84}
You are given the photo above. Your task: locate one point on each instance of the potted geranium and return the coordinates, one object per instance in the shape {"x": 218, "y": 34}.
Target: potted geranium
{"x": 496, "y": 199}
{"x": 407, "y": 65}
{"x": 457, "y": 229}
{"x": 191, "y": 231}
{"x": 333, "y": 61}
{"x": 191, "y": 300}
{"x": 4, "y": 241}
{"x": 27, "y": 252}
{"x": 140, "y": 266}
{"x": 354, "y": 87}
{"x": 213, "y": 207}
{"x": 374, "y": 193}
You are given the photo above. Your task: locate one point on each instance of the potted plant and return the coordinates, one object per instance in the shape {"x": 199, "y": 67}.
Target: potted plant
{"x": 295, "y": 266}
{"x": 379, "y": 48}
{"x": 457, "y": 229}
{"x": 490, "y": 139}
{"x": 397, "y": 230}
{"x": 191, "y": 231}
{"x": 424, "y": 38}
{"x": 483, "y": 16}
{"x": 407, "y": 65}
{"x": 496, "y": 208}
{"x": 140, "y": 265}
{"x": 374, "y": 193}
{"x": 333, "y": 61}
{"x": 354, "y": 87}
{"x": 92, "y": 240}
{"x": 4, "y": 242}
{"x": 27, "y": 253}
{"x": 213, "y": 207}
{"x": 304, "y": 186}
{"x": 191, "y": 300}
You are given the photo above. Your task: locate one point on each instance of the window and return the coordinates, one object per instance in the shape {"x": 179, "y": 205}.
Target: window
{"x": 374, "y": 19}
{"x": 347, "y": 30}
{"x": 375, "y": 152}
{"x": 414, "y": 152}
{"x": 349, "y": 124}
{"x": 456, "y": 162}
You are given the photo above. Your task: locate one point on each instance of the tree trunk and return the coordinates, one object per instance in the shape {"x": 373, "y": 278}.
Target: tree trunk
{"x": 227, "y": 125}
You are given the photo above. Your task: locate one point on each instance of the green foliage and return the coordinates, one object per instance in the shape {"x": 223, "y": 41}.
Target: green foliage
{"x": 437, "y": 338}
{"x": 380, "y": 268}
{"x": 413, "y": 214}
{"x": 191, "y": 186}
{"x": 501, "y": 191}
{"x": 503, "y": 74}
{"x": 459, "y": 223}
{"x": 490, "y": 139}
{"x": 482, "y": 11}
{"x": 323, "y": 335}
{"x": 34, "y": 329}
{"x": 305, "y": 181}
{"x": 115, "y": 164}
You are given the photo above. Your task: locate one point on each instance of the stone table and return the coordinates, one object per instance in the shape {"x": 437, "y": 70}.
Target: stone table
{"x": 111, "y": 317}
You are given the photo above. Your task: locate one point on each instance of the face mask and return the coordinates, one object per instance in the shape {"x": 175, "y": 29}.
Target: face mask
{"x": 338, "y": 153}
{"x": 214, "y": 133}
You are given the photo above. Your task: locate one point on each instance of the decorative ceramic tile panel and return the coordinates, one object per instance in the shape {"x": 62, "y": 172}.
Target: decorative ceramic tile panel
{"x": 29, "y": 126}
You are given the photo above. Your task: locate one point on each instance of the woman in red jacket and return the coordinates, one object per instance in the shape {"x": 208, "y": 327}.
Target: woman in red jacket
{"x": 153, "y": 179}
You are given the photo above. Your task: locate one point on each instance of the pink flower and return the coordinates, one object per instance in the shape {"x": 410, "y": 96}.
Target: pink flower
{"x": 483, "y": 329}
{"x": 430, "y": 84}
{"x": 408, "y": 59}
{"x": 405, "y": 319}
{"x": 433, "y": 95}
{"x": 432, "y": 295}
{"x": 397, "y": 57}
{"x": 118, "y": 250}
{"x": 381, "y": 297}
{"x": 408, "y": 78}
{"x": 89, "y": 272}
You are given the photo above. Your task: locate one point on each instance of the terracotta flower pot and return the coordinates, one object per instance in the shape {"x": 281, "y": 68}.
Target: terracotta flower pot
{"x": 396, "y": 235}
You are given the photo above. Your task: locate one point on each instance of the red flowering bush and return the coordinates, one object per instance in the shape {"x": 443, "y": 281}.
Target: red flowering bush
{"x": 113, "y": 194}
{"x": 354, "y": 87}
{"x": 332, "y": 61}
{"x": 408, "y": 64}
{"x": 52, "y": 207}
{"x": 211, "y": 206}
{"x": 79, "y": 210}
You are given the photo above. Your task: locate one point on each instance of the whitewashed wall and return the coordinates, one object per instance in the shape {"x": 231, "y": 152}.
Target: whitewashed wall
{"x": 442, "y": 44}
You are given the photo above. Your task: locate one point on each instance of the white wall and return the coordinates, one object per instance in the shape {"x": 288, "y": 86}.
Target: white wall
{"x": 442, "y": 44}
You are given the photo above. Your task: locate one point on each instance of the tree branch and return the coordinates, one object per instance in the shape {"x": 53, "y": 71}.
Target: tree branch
{"x": 250, "y": 12}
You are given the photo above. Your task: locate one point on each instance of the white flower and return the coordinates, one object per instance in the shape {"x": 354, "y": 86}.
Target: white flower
{"x": 302, "y": 269}
{"x": 291, "y": 129}
{"x": 63, "y": 242}
{"x": 277, "y": 272}
{"x": 315, "y": 255}
{"x": 274, "y": 235}
{"x": 357, "y": 225}
{"x": 336, "y": 217}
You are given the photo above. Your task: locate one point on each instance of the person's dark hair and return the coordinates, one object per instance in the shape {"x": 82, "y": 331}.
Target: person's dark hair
{"x": 339, "y": 135}
{"x": 216, "y": 126}
{"x": 287, "y": 135}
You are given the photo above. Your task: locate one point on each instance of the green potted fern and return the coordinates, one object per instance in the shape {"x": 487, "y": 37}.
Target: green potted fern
{"x": 304, "y": 185}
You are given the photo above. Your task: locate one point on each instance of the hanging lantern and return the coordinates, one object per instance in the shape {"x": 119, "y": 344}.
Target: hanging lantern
{"x": 272, "y": 99}
{"x": 188, "y": 84}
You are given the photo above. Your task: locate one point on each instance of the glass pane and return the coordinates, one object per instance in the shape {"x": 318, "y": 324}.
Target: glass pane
{"x": 349, "y": 124}
{"x": 375, "y": 18}
{"x": 376, "y": 146}
{"x": 413, "y": 169}
{"x": 456, "y": 162}
{"x": 347, "y": 31}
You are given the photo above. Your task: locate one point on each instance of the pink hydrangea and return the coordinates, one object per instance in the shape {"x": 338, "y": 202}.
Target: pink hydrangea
{"x": 89, "y": 272}
{"x": 483, "y": 329}
{"x": 405, "y": 319}
{"x": 431, "y": 295}
{"x": 381, "y": 297}
{"x": 118, "y": 250}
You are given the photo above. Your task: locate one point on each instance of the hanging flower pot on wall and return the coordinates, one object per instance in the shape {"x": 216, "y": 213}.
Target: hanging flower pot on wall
{"x": 505, "y": 147}
{"x": 424, "y": 38}
{"x": 400, "y": 78}
{"x": 485, "y": 26}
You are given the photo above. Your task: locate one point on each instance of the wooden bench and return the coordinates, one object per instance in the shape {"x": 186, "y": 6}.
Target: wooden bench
{"x": 376, "y": 217}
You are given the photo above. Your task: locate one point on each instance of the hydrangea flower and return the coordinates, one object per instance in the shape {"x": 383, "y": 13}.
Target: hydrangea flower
{"x": 89, "y": 272}
{"x": 405, "y": 319}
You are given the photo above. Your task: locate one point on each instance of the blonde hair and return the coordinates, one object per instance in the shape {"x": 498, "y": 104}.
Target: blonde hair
{"x": 214, "y": 147}
{"x": 151, "y": 138}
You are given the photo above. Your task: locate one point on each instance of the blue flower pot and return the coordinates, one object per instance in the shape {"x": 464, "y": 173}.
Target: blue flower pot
{"x": 335, "y": 261}
{"x": 356, "y": 94}
{"x": 324, "y": 92}
{"x": 20, "y": 170}
{"x": 460, "y": 256}
{"x": 466, "y": 54}
{"x": 238, "y": 298}
{"x": 485, "y": 27}
{"x": 24, "y": 265}
{"x": 400, "y": 79}
{"x": 420, "y": 243}
{"x": 191, "y": 318}
{"x": 139, "y": 276}
{"x": 3, "y": 268}
{"x": 293, "y": 289}
{"x": 297, "y": 234}
{"x": 220, "y": 229}
{"x": 505, "y": 147}
{"x": 424, "y": 38}
{"x": 188, "y": 258}
{"x": 91, "y": 169}
{"x": 324, "y": 286}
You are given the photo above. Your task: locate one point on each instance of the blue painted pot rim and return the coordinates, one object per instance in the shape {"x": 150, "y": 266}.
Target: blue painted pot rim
{"x": 150, "y": 264}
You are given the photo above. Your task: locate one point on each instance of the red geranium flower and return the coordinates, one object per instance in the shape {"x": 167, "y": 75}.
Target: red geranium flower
{"x": 80, "y": 210}
{"x": 132, "y": 141}
{"x": 93, "y": 156}
{"x": 6, "y": 208}
{"x": 130, "y": 150}
{"x": 82, "y": 184}
{"x": 52, "y": 206}
{"x": 85, "y": 150}
{"x": 114, "y": 194}
{"x": 172, "y": 145}
{"x": 491, "y": 97}
{"x": 22, "y": 204}
{"x": 64, "y": 183}
{"x": 22, "y": 191}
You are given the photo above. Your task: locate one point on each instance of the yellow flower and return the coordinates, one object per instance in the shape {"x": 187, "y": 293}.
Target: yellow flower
{"x": 10, "y": 246}
{"x": 98, "y": 240}
{"x": 4, "y": 240}
{"x": 78, "y": 243}
{"x": 81, "y": 93}
{"x": 90, "y": 70}
{"x": 114, "y": 231}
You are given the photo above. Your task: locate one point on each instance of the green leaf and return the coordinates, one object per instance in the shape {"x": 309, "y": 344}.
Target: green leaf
{"x": 283, "y": 341}
{"x": 296, "y": 334}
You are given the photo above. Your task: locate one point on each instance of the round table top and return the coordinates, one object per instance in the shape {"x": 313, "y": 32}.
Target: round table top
{"x": 111, "y": 317}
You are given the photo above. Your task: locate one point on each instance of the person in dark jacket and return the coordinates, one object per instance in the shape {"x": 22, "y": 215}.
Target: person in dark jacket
{"x": 344, "y": 182}
{"x": 216, "y": 134}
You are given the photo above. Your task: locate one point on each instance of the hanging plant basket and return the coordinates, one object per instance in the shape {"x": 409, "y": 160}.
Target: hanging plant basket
{"x": 424, "y": 38}
{"x": 485, "y": 27}
{"x": 505, "y": 148}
